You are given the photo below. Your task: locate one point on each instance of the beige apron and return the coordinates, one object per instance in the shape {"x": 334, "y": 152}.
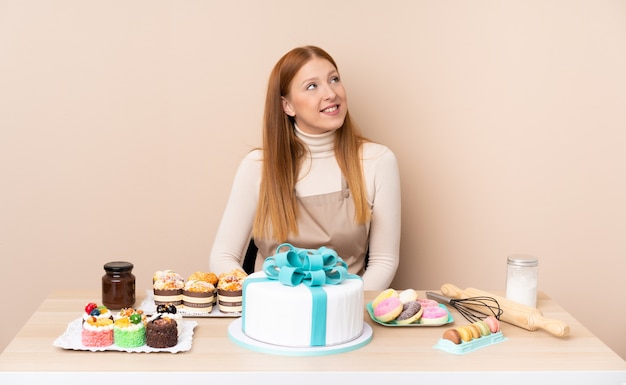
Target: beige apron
{"x": 325, "y": 220}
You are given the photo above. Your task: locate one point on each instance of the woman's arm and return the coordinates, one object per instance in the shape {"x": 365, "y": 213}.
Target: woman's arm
{"x": 233, "y": 234}
{"x": 383, "y": 180}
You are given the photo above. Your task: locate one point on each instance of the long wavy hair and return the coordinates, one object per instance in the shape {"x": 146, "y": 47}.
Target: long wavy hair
{"x": 277, "y": 213}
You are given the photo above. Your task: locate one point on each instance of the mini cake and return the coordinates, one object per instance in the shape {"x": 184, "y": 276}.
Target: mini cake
{"x": 198, "y": 295}
{"x": 161, "y": 332}
{"x": 168, "y": 288}
{"x": 229, "y": 291}
{"x": 128, "y": 329}
{"x": 97, "y": 332}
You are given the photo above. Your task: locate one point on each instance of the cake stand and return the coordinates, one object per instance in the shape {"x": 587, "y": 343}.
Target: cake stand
{"x": 240, "y": 338}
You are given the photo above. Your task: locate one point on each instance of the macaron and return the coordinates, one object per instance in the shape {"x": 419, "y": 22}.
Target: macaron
{"x": 483, "y": 327}
{"x": 388, "y": 309}
{"x": 408, "y": 295}
{"x": 452, "y": 335}
{"x": 493, "y": 323}
{"x": 474, "y": 330}
{"x": 411, "y": 312}
{"x": 383, "y": 295}
{"x": 466, "y": 335}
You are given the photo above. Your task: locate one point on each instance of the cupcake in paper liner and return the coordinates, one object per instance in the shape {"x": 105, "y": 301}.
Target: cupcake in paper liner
{"x": 168, "y": 288}
{"x": 198, "y": 295}
{"x": 230, "y": 291}
{"x": 208, "y": 277}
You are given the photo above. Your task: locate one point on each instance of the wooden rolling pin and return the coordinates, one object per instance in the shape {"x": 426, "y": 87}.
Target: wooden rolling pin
{"x": 514, "y": 313}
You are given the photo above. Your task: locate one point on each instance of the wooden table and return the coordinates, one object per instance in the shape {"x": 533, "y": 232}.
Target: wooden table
{"x": 395, "y": 355}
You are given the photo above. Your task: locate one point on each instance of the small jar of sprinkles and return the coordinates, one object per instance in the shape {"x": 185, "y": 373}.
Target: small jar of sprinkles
{"x": 118, "y": 285}
{"x": 521, "y": 279}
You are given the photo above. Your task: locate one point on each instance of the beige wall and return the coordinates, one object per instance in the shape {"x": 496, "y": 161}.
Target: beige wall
{"x": 122, "y": 123}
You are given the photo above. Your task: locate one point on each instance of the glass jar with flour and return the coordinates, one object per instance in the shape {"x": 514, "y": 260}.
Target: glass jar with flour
{"x": 521, "y": 279}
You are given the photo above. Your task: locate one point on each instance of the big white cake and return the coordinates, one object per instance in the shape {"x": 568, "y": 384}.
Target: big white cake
{"x": 279, "y": 314}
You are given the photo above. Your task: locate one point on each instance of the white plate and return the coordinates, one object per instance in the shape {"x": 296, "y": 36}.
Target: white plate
{"x": 149, "y": 307}
{"x": 71, "y": 339}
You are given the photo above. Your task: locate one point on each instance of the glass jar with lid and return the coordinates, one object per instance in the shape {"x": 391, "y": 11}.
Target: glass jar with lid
{"x": 521, "y": 279}
{"x": 118, "y": 285}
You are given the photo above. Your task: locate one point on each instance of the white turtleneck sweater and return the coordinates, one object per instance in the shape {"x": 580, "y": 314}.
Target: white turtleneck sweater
{"x": 320, "y": 174}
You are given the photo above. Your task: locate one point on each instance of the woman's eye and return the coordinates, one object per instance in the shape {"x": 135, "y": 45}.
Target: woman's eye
{"x": 311, "y": 86}
{"x": 334, "y": 79}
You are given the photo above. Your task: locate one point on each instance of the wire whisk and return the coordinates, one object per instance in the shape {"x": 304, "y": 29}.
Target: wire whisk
{"x": 473, "y": 308}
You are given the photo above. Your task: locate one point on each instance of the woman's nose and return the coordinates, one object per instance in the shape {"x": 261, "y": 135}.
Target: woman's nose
{"x": 329, "y": 93}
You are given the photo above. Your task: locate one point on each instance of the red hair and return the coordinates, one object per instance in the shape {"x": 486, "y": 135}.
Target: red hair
{"x": 276, "y": 214}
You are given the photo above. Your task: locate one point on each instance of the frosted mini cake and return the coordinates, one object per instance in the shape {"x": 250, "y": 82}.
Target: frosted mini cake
{"x": 129, "y": 329}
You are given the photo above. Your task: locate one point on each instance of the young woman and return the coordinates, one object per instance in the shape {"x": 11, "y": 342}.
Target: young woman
{"x": 316, "y": 181}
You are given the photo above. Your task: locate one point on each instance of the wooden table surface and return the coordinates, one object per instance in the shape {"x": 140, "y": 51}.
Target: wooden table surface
{"x": 393, "y": 354}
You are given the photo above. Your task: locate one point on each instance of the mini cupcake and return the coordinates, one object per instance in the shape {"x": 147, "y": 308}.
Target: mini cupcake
{"x": 206, "y": 277}
{"x": 198, "y": 295}
{"x": 168, "y": 288}
{"x": 129, "y": 329}
{"x": 230, "y": 291}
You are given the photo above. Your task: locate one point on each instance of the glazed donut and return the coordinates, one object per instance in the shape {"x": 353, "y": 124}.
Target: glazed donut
{"x": 408, "y": 295}
{"x": 385, "y": 294}
{"x": 425, "y": 302}
{"x": 411, "y": 312}
{"x": 434, "y": 315}
{"x": 388, "y": 309}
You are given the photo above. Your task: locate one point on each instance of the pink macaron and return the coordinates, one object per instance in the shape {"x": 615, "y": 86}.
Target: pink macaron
{"x": 493, "y": 323}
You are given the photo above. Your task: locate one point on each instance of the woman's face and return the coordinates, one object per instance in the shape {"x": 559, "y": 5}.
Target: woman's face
{"x": 316, "y": 98}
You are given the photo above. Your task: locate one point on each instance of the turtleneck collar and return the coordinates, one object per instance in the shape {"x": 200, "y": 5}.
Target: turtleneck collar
{"x": 318, "y": 143}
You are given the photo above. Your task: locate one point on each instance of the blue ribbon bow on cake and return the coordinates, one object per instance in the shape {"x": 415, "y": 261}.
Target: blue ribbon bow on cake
{"x": 308, "y": 266}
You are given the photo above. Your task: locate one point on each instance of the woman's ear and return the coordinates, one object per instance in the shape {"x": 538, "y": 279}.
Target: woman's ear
{"x": 287, "y": 107}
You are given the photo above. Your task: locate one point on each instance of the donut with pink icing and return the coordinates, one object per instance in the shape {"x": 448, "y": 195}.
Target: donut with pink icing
{"x": 434, "y": 315}
{"x": 388, "y": 309}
